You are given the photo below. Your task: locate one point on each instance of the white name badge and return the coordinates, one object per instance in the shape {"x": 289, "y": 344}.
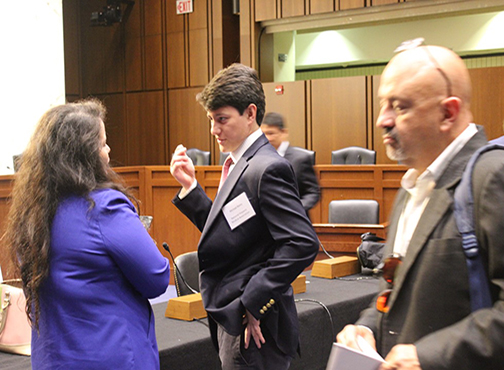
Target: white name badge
{"x": 238, "y": 211}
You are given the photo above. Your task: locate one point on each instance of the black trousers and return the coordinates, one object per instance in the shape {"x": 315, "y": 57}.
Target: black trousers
{"x": 234, "y": 356}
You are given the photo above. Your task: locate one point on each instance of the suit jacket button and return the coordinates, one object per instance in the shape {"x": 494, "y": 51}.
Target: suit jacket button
{"x": 272, "y": 301}
{"x": 268, "y": 305}
{"x": 261, "y": 312}
{"x": 265, "y": 308}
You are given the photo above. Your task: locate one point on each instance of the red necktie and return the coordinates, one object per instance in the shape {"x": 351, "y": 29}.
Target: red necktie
{"x": 225, "y": 170}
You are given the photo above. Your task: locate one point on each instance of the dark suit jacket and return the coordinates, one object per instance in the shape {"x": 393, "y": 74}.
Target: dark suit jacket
{"x": 430, "y": 301}
{"x": 308, "y": 186}
{"x": 252, "y": 266}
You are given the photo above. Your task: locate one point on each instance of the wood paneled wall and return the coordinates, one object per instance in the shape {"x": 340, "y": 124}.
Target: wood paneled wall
{"x": 340, "y": 122}
{"x": 71, "y": 40}
{"x": 117, "y": 129}
{"x": 292, "y": 104}
{"x": 329, "y": 114}
{"x": 146, "y": 130}
{"x": 139, "y": 67}
{"x": 273, "y": 9}
{"x": 149, "y": 68}
{"x": 192, "y": 128}
{"x": 188, "y": 42}
{"x": 487, "y": 103}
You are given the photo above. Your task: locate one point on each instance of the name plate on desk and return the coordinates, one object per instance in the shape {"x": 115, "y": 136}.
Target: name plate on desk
{"x": 336, "y": 267}
{"x": 299, "y": 285}
{"x": 187, "y": 307}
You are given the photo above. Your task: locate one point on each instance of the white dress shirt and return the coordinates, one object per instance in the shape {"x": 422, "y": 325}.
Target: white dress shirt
{"x": 419, "y": 187}
{"x": 282, "y": 148}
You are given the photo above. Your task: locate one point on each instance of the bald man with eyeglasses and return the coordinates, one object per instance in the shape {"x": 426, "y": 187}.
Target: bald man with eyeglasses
{"x": 422, "y": 317}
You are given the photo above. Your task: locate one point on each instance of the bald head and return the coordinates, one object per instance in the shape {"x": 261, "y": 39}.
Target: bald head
{"x": 438, "y": 69}
{"x": 425, "y": 95}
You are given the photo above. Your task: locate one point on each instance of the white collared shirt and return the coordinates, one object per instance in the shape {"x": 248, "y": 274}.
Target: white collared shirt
{"x": 247, "y": 143}
{"x": 419, "y": 188}
{"x": 282, "y": 148}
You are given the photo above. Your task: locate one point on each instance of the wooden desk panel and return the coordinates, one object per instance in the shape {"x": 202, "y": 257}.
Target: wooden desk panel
{"x": 134, "y": 177}
{"x": 379, "y": 182}
{"x": 343, "y": 239}
{"x": 155, "y": 187}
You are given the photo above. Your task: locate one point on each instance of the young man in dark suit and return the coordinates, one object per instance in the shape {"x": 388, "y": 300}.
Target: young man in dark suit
{"x": 256, "y": 238}
{"x": 274, "y": 128}
{"x": 425, "y": 321}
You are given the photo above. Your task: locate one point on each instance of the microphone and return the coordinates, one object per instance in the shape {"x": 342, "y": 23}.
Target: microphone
{"x": 325, "y": 250}
{"x": 167, "y": 248}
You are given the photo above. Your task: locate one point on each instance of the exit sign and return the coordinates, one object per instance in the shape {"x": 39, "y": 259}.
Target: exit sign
{"x": 184, "y": 6}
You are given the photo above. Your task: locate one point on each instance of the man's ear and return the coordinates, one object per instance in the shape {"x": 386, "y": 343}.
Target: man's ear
{"x": 251, "y": 112}
{"x": 451, "y": 109}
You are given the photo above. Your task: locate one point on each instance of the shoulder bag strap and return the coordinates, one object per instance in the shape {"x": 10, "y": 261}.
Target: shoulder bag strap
{"x": 464, "y": 217}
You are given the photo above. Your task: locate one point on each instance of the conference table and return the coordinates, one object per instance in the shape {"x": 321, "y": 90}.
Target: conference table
{"x": 323, "y": 310}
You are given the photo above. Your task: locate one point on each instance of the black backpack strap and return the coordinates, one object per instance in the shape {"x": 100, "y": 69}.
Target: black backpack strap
{"x": 464, "y": 217}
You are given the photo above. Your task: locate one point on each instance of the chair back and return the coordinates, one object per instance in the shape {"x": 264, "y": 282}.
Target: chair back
{"x": 188, "y": 267}
{"x": 354, "y": 211}
{"x": 199, "y": 157}
{"x": 353, "y": 155}
{"x": 310, "y": 153}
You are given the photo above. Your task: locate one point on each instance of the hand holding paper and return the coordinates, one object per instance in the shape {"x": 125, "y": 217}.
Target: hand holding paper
{"x": 367, "y": 349}
{"x": 354, "y": 350}
{"x": 346, "y": 358}
{"x": 350, "y": 333}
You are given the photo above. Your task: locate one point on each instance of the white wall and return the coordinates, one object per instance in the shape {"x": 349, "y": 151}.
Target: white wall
{"x": 32, "y": 77}
{"x": 469, "y": 34}
{"x": 284, "y": 44}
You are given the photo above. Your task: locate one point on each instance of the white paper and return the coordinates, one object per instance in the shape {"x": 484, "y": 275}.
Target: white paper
{"x": 238, "y": 211}
{"x": 346, "y": 358}
{"x": 367, "y": 349}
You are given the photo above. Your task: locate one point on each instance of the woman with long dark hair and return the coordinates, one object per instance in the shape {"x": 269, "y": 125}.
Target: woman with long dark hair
{"x": 88, "y": 265}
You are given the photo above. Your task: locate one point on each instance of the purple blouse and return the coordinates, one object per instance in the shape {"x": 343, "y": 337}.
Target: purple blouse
{"x": 104, "y": 266}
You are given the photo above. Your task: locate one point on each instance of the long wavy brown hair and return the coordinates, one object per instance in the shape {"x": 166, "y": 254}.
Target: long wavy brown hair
{"x": 62, "y": 158}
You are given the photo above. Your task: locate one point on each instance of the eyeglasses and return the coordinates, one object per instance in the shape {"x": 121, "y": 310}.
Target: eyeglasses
{"x": 412, "y": 44}
{"x": 387, "y": 271}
